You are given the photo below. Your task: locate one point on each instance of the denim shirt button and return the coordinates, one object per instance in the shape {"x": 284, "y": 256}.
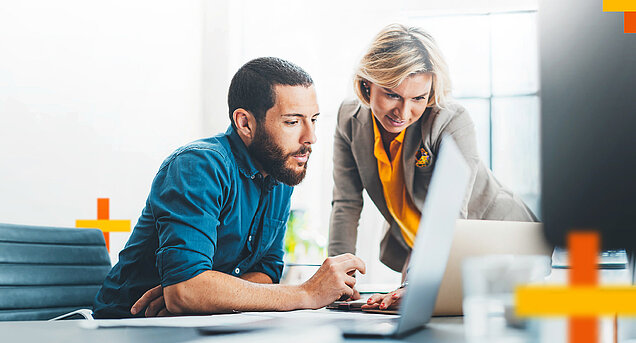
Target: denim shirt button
{"x": 237, "y": 270}
{"x": 249, "y": 239}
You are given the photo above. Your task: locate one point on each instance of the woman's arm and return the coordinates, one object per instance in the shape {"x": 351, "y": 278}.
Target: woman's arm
{"x": 462, "y": 129}
{"x": 347, "y": 193}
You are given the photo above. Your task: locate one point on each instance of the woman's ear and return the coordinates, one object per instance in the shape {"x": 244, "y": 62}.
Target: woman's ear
{"x": 245, "y": 124}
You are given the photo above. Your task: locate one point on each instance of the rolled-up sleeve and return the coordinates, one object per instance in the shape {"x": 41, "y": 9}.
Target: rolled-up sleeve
{"x": 186, "y": 199}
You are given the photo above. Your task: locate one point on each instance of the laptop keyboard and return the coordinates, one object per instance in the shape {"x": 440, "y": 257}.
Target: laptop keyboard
{"x": 607, "y": 259}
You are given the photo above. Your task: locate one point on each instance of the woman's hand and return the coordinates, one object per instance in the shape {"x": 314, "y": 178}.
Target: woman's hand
{"x": 385, "y": 301}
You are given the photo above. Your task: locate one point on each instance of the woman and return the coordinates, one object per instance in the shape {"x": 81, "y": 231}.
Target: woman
{"x": 387, "y": 140}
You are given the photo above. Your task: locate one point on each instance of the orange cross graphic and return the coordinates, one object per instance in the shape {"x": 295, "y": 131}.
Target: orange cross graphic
{"x": 583, "y": 300}
{"x": 104, "y": 222}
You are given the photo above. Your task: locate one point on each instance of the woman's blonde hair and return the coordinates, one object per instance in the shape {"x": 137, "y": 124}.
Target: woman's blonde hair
{"x": 398, "y": 52}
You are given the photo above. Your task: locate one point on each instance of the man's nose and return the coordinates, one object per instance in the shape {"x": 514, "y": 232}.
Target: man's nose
{"x": 309, "y": 135}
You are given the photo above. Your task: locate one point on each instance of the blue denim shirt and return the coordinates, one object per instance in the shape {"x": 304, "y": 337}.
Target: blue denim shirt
{"x": 209, "y": 208}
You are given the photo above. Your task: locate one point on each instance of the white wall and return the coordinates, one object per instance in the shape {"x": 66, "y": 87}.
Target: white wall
{"x": 93, "y": 96}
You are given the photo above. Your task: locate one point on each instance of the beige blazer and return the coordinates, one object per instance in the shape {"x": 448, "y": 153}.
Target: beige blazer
{"x": 355, "y": 169}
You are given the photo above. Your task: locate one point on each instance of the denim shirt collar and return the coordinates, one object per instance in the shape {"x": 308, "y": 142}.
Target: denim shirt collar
{"x": 244, "y": 160}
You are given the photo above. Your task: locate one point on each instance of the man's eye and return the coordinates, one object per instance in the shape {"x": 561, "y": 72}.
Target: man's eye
{"x": 291, "y": 122}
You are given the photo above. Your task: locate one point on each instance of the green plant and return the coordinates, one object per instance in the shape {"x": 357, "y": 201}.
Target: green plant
{"x": 301, "y": 243}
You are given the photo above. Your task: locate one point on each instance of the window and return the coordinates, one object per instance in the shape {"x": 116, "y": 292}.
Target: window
{"x": 493, "y": 62}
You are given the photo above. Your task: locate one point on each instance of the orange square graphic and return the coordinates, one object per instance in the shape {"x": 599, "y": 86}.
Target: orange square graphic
{"x": 630, "y": 22}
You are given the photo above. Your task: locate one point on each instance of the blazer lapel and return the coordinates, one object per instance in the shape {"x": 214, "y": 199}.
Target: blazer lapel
{"x": 412, "y": 139}
{"x": 362, "y": 148}
{"x": 412, "y": 142}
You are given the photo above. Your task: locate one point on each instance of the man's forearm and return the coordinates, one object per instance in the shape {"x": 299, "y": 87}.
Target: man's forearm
{"x": 216, "y": 292}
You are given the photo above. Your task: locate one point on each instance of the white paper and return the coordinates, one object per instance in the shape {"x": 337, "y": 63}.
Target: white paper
{"x": 180, "y": 321}
{"x": 231, "y": 319}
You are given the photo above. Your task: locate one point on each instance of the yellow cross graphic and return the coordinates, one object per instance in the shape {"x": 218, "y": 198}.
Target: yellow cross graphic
{"x": 583, "y": 301}
{"x": 103, "y": 221}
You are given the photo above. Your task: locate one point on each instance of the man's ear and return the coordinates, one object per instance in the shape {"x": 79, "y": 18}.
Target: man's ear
{"x": 245, "y": 124}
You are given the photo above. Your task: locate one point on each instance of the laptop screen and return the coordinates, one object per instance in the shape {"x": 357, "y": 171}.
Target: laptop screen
{"x": 434, "y": 236}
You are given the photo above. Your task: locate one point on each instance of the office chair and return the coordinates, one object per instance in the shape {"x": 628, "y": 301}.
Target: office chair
{"x": 49, "y": 271}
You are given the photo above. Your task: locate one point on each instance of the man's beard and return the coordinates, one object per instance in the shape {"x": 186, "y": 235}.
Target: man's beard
{"x": 273, "y": 160}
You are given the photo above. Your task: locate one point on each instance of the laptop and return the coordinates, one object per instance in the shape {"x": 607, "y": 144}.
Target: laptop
{"x": 430, "y": 252}
{"x": 474, "y": 238}
{"x": 485, "y": 237}
{"x": 607, "y": 259}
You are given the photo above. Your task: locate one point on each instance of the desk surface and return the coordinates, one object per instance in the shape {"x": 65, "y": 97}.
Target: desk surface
{"x": 440, "y": 330}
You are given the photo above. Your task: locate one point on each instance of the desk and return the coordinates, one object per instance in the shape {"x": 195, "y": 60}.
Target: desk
{"x": 439, "y": 330}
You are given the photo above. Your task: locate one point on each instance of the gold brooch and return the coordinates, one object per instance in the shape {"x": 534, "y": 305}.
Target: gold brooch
{"x": 422, "y": 159}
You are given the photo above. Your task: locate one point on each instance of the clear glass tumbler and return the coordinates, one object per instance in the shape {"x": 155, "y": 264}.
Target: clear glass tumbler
{"x": 489, "y": 283}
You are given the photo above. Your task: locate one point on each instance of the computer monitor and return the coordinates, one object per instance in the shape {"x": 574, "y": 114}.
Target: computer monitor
{"x": 588, "y": 122}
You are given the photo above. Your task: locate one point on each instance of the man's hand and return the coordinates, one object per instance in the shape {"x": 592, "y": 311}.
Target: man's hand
{"x": 333, "y": 280}
{"x": 355, "y": 296}
{"x": 385, "y": 301}
{"x": 153, "y": 302}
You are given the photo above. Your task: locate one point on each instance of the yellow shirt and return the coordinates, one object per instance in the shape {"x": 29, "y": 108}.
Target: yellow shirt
{"x": 391, "y": 173}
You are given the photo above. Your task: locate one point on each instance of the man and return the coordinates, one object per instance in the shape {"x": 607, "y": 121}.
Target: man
{"x": 211, "y": 233}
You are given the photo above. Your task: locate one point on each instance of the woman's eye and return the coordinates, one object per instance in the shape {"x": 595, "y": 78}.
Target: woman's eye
{"x": 392, "y": 96}
{"x": 419, "y": 98}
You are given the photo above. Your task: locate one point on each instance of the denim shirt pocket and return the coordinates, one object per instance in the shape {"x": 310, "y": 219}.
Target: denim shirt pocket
{"x": 267, "y": 236}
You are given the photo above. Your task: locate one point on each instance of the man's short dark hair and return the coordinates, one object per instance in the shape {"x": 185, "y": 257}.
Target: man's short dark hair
{"x": 252, "y": 87}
